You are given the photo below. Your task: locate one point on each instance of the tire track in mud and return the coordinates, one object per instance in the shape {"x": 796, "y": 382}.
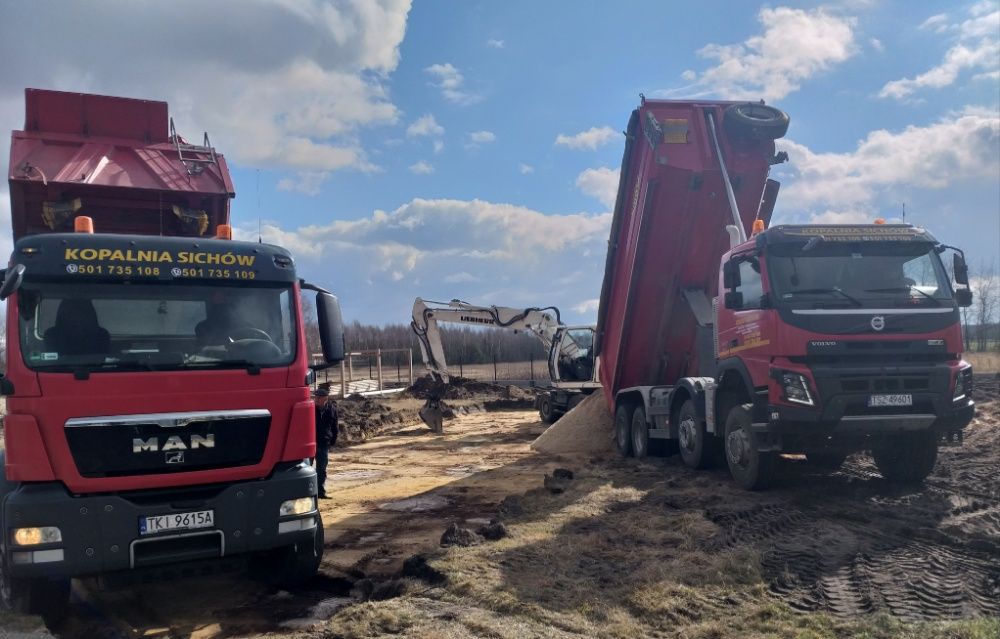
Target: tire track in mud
{"x": 921, "y": 556}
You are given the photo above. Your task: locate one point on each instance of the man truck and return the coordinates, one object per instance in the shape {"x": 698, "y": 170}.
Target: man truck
{"x": 820, "y": 340}
{"x": 157, "y": 382}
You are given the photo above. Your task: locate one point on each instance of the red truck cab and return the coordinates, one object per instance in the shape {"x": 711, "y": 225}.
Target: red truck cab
{"x": 157, "y": 382}
{"x": 823, "y": 340}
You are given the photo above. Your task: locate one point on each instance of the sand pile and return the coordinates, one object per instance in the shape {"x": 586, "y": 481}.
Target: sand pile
{"x": 586, "y": 429}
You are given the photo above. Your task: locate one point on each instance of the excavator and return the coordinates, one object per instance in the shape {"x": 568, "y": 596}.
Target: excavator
{"x": 572, "y": 366}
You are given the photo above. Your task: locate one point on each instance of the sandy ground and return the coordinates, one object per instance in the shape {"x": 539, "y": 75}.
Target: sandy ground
{"x": 624, "y": 549}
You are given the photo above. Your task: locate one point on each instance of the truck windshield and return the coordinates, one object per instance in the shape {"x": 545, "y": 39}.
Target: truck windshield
{"x": 139, "y": 326}
{"x": 858, "y": 274}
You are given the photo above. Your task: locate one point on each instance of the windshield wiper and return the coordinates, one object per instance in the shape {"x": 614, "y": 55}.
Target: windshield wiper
{"x": 252, "y": 367}
{"x": 833, "y": 289}
{"x": 904, "y": 289}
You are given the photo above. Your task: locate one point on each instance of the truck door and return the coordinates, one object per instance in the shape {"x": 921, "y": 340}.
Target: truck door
{"x": 572, "y": 356}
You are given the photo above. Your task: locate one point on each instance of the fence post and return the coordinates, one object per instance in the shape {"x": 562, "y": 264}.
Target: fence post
{"x": 494, "y": 367}
{"x": 410, "y": 362}
{"x": 343, "y": 380}
{"x": 378, "y": 365}
{"x": 350, "y": 368}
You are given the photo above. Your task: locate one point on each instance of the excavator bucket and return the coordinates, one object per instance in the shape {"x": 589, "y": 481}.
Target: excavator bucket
{"x": 432, "y": 414}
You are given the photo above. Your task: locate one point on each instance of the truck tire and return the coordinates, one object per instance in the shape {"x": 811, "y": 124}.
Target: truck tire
{"x": 752, "y": 469}
{"x": 293, "y": 566}
{"x": 908, "y": 459}
{"x": 640, "y": 433}
{"x": 692, "y": 439}
{"x": 48, "y": 598}
{"x": 623, "y": 430}
{"x": 755, "y": 121}
{"x": 545, "y": 409}
{"x": 827, "y": 460}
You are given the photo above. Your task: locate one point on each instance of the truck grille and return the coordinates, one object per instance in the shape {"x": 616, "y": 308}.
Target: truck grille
{"x": 167, "y": 442}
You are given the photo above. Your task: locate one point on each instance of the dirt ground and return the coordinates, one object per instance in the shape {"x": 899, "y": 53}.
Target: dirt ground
{"x": 623, "y": 549}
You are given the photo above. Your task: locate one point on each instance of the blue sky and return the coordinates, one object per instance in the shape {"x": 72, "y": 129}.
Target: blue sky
{"x": 471, "y": 149}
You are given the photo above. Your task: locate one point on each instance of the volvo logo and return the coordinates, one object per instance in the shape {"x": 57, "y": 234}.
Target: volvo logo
{"x": 878, "y": 323}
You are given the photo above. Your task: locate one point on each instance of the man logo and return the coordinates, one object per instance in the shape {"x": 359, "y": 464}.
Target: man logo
{"x": 174, "y": 457}
{"x": 878, "y": 323}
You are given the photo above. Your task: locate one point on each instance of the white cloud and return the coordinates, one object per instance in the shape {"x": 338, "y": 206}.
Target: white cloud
{"x": 960, "y": 147}
{"x": 421, "y": 168}
{"x": 453, "y": 227}
{"x": 494, "y": 251}
{"x": 587, "y": 306}
{"x": 937, "y": 22}
{"x": 525, "y": 169}
{"x": 438, "y": 146}
{"x": 461, "y": 278}
{"x": 307, "y": 182}
{"x": 287, "y": 85}
{"x": 601, "y": 183}
{"x": 794, "y": 46}
{"x": 877, "y": 44}
{"x": 977, "y": 47}
{"x": 425, "y": 125}
{"x": 589, "y": 139}
{"x": 451, "y": 82}
{"x": 495, "y": 43}
{"x": 482, "y": 137}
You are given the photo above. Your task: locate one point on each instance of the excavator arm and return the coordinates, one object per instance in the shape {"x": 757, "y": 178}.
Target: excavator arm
{"x": 541, "y": 322}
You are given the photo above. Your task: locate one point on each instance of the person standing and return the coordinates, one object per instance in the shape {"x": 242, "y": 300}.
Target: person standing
{"x": 326, "y": 434}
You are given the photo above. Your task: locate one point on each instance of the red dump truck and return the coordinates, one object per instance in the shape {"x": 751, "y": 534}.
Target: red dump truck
{"x": 822, "y": 340}
{"x": 157, "y": 383}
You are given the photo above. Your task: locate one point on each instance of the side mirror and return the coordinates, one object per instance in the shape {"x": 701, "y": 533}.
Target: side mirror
{"x": 963, "y": 296}
{"x": 331, "y": 328}
{"x": 12, "y": 278}
{"x": 731, "y": 275}
{"x": 734, "y": 300}
{"x": 961, "y": 269}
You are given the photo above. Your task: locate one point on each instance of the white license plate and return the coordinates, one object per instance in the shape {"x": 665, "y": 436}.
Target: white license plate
{"x": 176, "y": 521}
{"x": 875, "y": 401}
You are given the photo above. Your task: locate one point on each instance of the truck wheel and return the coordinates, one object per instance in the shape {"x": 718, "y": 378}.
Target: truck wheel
{"x": 909, "y": 459}
{"x": 640, "y": 433}
{"x": 293, "y": 566}
{"x": 545, "y": 411}
{"x": 623, "y": 430}
{"x": 12, "y": 590}
{"x": 826, "y": 461}
{"x": 692, "y": 439}
{"x": 48, "y": 598}
{"x": 750, "y": 468}
{"x": 755, "y": 121}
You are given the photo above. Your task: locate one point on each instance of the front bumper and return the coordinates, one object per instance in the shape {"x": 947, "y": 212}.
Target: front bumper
{"x": 843, "y": 420}
{"x": 100, "y": 533}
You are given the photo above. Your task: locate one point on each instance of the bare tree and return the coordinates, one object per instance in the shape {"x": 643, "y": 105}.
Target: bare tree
{"x": 986, "y": 300}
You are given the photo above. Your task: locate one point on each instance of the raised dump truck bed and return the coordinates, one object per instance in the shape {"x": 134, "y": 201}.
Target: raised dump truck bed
{"x": 668, "y": 234}
{"x": 116, "y": 160}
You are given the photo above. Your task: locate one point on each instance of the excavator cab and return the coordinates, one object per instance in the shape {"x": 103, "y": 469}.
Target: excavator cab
{"x": 571, "y": 358}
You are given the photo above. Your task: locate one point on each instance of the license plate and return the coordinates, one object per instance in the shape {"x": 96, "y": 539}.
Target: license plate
{"x": 176, "y": 521}
{"x": 874, "y": 401}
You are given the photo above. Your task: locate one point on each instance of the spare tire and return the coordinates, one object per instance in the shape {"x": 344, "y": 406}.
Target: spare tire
{"x": 755, "y": 121}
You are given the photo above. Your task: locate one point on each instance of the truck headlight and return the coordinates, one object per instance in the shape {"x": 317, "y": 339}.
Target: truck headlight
{"x": 37, "y": 535}
{"x": 963, "y": 384}
{"x": 796, "y": 388}
{"x": 299, "y": 506}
